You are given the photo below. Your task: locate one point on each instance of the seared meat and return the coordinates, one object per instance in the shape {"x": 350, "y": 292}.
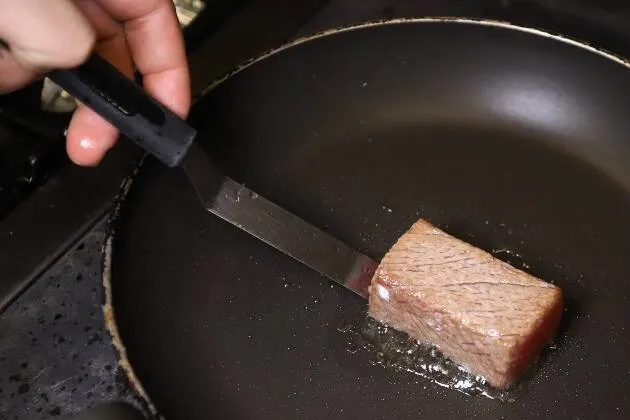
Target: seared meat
{"x": 486, "y": 315}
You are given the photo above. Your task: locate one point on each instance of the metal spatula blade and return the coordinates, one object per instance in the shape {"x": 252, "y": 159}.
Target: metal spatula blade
{"x": 169, "y": 138}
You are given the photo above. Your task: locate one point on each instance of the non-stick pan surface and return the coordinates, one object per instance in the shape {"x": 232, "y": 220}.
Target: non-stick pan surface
{"x": 508, "y": 138}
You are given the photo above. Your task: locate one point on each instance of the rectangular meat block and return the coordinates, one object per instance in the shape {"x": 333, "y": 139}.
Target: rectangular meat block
{"x": 484, "y": 314}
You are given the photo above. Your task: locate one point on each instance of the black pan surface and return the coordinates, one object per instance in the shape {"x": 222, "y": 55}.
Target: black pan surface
{"x": 506, "y": 137}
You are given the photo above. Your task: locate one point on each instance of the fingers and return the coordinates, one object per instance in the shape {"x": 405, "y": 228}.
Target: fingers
{"x": 111, "y": 42}
{"x": 89, "y": 136}
{"x": 13, "y": 75}
{"x": 40, "y": 34}
{"x": 156, "y": 44}
{"x": 152, "y": 33}
{"x": 45, "y": 34}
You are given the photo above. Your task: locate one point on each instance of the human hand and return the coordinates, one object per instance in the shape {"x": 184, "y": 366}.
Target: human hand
{"x": 131, "y": 34}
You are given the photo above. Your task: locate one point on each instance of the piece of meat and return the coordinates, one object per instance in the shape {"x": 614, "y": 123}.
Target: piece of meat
{"x": 484, "y": 314}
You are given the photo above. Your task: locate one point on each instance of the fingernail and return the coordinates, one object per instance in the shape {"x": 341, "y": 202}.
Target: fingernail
{"x": 97, "y": 150}
{"x": 87, "y": 143}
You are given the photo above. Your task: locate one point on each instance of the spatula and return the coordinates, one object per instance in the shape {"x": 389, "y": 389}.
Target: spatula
{"x": 169, "y": 138}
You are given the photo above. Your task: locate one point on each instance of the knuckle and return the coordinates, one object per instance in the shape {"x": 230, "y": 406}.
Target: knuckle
{"x": 80, "y": 48}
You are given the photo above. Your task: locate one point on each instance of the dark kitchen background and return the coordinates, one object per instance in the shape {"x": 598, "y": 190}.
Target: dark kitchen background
{"x": 55, "y": 356}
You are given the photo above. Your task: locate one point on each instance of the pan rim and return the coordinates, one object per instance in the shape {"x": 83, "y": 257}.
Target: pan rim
{"x": 126, "y": 185}
{"x": 424, "y": 20}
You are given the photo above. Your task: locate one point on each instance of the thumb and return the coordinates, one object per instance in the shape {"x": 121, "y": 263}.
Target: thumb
{"x": 45, "y": 34}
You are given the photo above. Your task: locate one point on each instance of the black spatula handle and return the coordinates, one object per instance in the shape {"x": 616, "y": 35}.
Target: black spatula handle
{"x": 155, "y": 128}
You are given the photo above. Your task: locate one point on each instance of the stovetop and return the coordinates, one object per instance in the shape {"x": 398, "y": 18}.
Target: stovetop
{"x": 55, "y": 356}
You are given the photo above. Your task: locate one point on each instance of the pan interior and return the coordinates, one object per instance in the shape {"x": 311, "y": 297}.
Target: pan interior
{"x": 504, "y": 139}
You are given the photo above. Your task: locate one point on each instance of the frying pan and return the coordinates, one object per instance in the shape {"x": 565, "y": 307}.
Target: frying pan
{"x": 507, "y": 137}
